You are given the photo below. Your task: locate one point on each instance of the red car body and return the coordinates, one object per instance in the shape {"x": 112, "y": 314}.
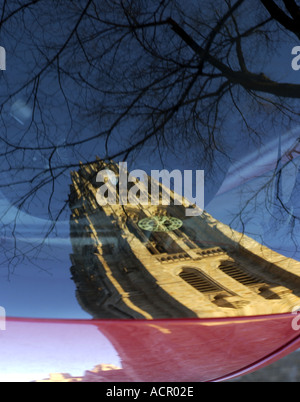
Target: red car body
{"x": 187, "y": 350}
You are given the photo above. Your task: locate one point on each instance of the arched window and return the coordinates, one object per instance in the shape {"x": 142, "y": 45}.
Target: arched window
{"x": 199, "y": 281}
{"x": 261, "y": 286}
{"x": 233, "y": 270}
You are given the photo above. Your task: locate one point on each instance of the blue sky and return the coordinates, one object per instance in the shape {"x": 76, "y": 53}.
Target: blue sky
{"x": 31, "y": 351}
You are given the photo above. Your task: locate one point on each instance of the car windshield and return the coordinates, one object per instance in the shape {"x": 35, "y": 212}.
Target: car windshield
{"x": 149, "y": 160}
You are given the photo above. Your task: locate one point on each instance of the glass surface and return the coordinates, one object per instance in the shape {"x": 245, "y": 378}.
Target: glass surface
{"x": 149, "y": 159}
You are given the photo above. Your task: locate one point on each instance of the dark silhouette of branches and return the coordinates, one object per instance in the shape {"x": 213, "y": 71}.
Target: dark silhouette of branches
{"x": 290, "y": 22}
{"x": 120, "y": 79}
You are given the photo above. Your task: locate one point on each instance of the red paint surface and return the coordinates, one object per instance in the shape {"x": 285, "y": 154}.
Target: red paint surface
{"x": 193, "y": 350}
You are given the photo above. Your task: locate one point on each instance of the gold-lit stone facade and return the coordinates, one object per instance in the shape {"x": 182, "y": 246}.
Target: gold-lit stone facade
{"x": 201, "y": 269}
{"x": 100, "y": 373}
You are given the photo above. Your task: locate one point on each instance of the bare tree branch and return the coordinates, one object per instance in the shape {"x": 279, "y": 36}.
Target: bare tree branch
{"x": 291, "y": 24}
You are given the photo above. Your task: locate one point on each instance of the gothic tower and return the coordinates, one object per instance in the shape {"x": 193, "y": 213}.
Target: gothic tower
{"x": 152, "y": 261}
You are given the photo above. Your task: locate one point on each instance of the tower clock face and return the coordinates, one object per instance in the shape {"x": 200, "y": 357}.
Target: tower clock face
{"x": 160, "y": 224}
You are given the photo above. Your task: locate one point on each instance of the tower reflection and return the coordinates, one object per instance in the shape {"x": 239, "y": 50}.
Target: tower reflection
{"x": 152, "y": 262}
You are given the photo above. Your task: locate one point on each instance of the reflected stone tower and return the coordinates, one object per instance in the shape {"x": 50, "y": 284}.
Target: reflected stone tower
{"x": 151, "y": 262}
